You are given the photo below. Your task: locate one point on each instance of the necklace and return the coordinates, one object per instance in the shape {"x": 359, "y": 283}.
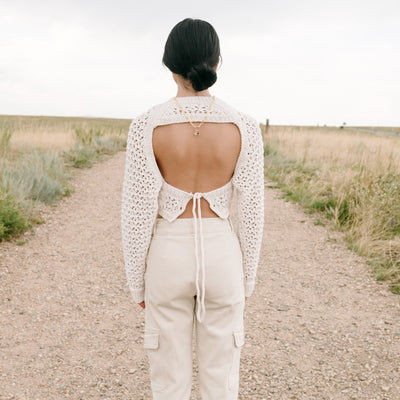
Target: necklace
{"x": 196, "y": 128}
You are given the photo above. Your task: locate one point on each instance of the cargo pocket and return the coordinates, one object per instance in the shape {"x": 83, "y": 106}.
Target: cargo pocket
{"x": 151, "y": 337}
{"x": 152, "y": 345}
{"x": 238, "y": 341}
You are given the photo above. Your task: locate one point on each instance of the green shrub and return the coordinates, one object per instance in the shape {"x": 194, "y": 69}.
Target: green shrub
{"x": 80, "y": 156}
{"x": 90, "y": 146}
{"x": 12, "y": 221}
{"x": 37, "y": 176}
{"x": 109, "y": 145}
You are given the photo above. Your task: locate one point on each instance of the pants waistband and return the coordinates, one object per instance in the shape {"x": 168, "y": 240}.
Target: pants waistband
{"x": 186, "y": 225}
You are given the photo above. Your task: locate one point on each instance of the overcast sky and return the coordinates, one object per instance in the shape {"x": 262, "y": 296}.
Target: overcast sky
{"x": 300, "y": 62}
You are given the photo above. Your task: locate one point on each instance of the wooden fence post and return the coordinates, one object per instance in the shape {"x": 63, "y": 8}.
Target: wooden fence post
{"x": 266, "y": 125}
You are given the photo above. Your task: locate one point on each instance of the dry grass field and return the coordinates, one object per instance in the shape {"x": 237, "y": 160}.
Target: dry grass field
{"x": 57, "y": 132}
{"x": 38, "y": 155}
{"x": 352, "y": 179}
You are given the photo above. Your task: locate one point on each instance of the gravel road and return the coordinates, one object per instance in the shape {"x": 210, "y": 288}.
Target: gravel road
{"x": 318, "y": 326}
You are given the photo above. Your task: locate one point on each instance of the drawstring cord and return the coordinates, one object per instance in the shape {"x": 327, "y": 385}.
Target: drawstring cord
{"x": 200, "y": 300}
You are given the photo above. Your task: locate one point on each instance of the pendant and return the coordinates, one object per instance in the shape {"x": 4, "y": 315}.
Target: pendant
{"x": 196, "y": 132}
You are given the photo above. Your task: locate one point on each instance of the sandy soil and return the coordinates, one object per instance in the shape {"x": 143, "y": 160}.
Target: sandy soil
{"x": 318, "y": 326}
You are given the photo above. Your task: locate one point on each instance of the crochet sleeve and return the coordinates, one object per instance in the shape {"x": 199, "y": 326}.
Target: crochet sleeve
{"x": 139, "y": 207}
{"x": 249, "y": 185}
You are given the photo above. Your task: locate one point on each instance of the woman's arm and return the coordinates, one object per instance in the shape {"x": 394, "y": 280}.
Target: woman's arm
{"x": 139, "y": 207}
{"x": 249, "y": 183}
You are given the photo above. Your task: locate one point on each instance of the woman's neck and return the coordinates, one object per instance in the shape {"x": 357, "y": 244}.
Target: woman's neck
{"x": 184, "y": 92}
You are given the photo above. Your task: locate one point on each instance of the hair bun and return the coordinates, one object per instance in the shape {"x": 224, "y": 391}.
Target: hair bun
{"x": 202, "y": 76}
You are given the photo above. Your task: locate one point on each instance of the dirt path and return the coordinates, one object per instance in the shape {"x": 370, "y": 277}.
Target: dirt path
{"x": 317, "y": 326}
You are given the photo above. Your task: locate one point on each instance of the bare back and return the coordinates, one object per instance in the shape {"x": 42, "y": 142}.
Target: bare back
{"x": 197, "y": 163}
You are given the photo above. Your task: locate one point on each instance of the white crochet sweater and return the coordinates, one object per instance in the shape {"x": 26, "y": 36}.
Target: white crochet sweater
{"x": 146, "y": 193}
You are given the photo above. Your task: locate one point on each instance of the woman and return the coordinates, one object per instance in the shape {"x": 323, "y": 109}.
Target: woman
{"x": 192, "y": 269}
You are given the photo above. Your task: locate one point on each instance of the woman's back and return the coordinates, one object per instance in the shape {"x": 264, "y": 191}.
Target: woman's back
{"x": 197, "y": 163}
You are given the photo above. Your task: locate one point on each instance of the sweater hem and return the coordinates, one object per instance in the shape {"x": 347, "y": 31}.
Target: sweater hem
{"x": 248, "y": 288}
{"x": 138, "y": 295}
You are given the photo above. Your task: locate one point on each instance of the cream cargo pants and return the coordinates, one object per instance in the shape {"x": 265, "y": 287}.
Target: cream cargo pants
{"x": 172, "y": 300}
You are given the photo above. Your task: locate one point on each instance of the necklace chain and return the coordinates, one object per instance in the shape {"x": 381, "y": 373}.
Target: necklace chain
{"x": 196, "y": 128}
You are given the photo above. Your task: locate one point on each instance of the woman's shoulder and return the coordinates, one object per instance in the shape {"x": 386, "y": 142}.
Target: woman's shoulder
{"x": 235, "y": 110}
{"x": 151, "y": 111}
{"x": 167, "y": 109}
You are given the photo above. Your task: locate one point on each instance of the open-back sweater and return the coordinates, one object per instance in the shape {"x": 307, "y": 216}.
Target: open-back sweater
{"x": 146, "y": 193}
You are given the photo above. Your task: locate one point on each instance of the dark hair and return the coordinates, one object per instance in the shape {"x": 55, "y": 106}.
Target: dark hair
{"x": 192, "y": 50}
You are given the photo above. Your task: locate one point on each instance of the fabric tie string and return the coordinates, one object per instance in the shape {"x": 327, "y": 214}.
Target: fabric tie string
{"x": 199, "y": 266}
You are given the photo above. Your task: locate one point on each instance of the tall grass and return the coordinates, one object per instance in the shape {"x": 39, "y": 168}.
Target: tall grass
{"x": 36, "y": 156}
{"x": 35, "y": 177}
{"x": 38, "y": 176}
{"x": 352, "y": 180}
{"x": 90, "y": 145}
{"x": 5, "y": 141}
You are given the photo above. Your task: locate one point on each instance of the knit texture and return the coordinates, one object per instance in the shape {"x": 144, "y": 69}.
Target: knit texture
{"x": 145, "y": 192}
